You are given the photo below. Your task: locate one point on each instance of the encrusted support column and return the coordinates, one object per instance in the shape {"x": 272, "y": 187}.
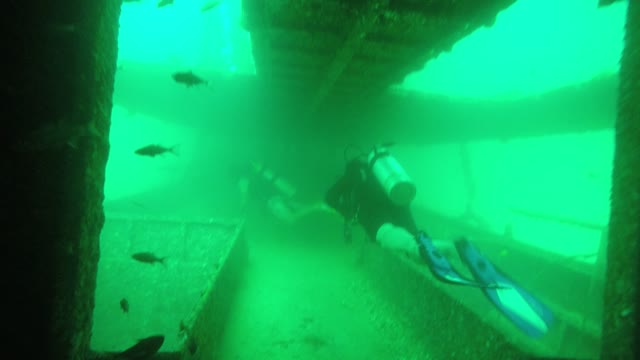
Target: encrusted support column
{"x": 620, "y": 323}
{"x": 57, "y": 106}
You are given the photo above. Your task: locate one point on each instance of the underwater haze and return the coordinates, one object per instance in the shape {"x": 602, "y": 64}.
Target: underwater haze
{"x": 190, "y": 134}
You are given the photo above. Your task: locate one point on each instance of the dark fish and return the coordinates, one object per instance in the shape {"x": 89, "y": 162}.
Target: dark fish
{"x": 124, "y": 305}
{"x": 154, "y": 149}
{"x": 210, "y": 5}
{"x": 144, "y": 349}
{"x": 163, "y": 3}
{"x": 149, "y": 258}
{"x": 188, "y": 78}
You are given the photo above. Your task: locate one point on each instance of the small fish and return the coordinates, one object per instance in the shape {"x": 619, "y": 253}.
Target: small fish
{"x": 124, "y": 305}
{"x": 210, "y": 5}
{"x": 154, "y": 150}
{"x": 163, "y": 3}
{"x": 149, "y": 258}
{"x": 188, "y": 78}
{"x": 143, "y": 349}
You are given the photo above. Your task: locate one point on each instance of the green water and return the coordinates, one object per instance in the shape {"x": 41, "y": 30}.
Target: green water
{"x": 539, "y": 63}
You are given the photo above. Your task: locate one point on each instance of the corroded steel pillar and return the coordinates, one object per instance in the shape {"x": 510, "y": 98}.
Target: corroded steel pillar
{"x": 60, "y": 60}
{"x": 620, "y": 324}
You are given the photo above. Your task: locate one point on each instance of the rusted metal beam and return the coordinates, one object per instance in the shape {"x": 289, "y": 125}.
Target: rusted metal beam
{"x": 448, "y": 9}
{"x": 301, "y": 41}
{"x": 299, "y": 59}
{"x": 257, "y": 24}
{"x": 351, "y": 45}
{"x": 418, "y": 53}
{"x": 437, "y": 119}
{"x": 280, "y": 27}
{"x": 559, "y": 219}
{"x": 300, "y": 72}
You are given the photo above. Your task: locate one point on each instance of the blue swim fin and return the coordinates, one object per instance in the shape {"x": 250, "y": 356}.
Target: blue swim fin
{"x": 528, "y": 313}
{"x": 439, "y": 265}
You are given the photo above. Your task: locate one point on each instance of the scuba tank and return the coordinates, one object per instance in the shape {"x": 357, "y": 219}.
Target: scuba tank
{"x": 283, "y": 187}
{"x": 277, "y": 193}
{"x": 394, "y": 180}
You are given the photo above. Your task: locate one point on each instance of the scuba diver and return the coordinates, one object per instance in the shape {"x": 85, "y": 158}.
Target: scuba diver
{"x": 274, "y": 193}
{"x": 376, "y": 193}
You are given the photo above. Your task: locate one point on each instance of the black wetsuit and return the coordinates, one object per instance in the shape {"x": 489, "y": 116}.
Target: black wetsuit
{"x": 357, "y": 195}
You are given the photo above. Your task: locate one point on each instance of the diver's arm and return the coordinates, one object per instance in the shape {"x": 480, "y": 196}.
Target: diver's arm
{"x": 315, "y": 207}
{"x": 334, "y": 196}
{"x": 319, "y": 206}
{"x": 290, "y": 211}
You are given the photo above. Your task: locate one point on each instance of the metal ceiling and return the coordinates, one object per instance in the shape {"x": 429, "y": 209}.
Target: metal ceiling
{"x": 331, "y": 52}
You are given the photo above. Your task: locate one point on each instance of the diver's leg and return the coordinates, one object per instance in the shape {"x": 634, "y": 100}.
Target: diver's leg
{"x": 398, "y": 239}
{"x": 520, "y": 306}
{"x": 422, "y": 247}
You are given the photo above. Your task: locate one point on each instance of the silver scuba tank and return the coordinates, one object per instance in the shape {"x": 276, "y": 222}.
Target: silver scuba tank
{"x": 394, "y": 180}
{"x": 284, "y": 187}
